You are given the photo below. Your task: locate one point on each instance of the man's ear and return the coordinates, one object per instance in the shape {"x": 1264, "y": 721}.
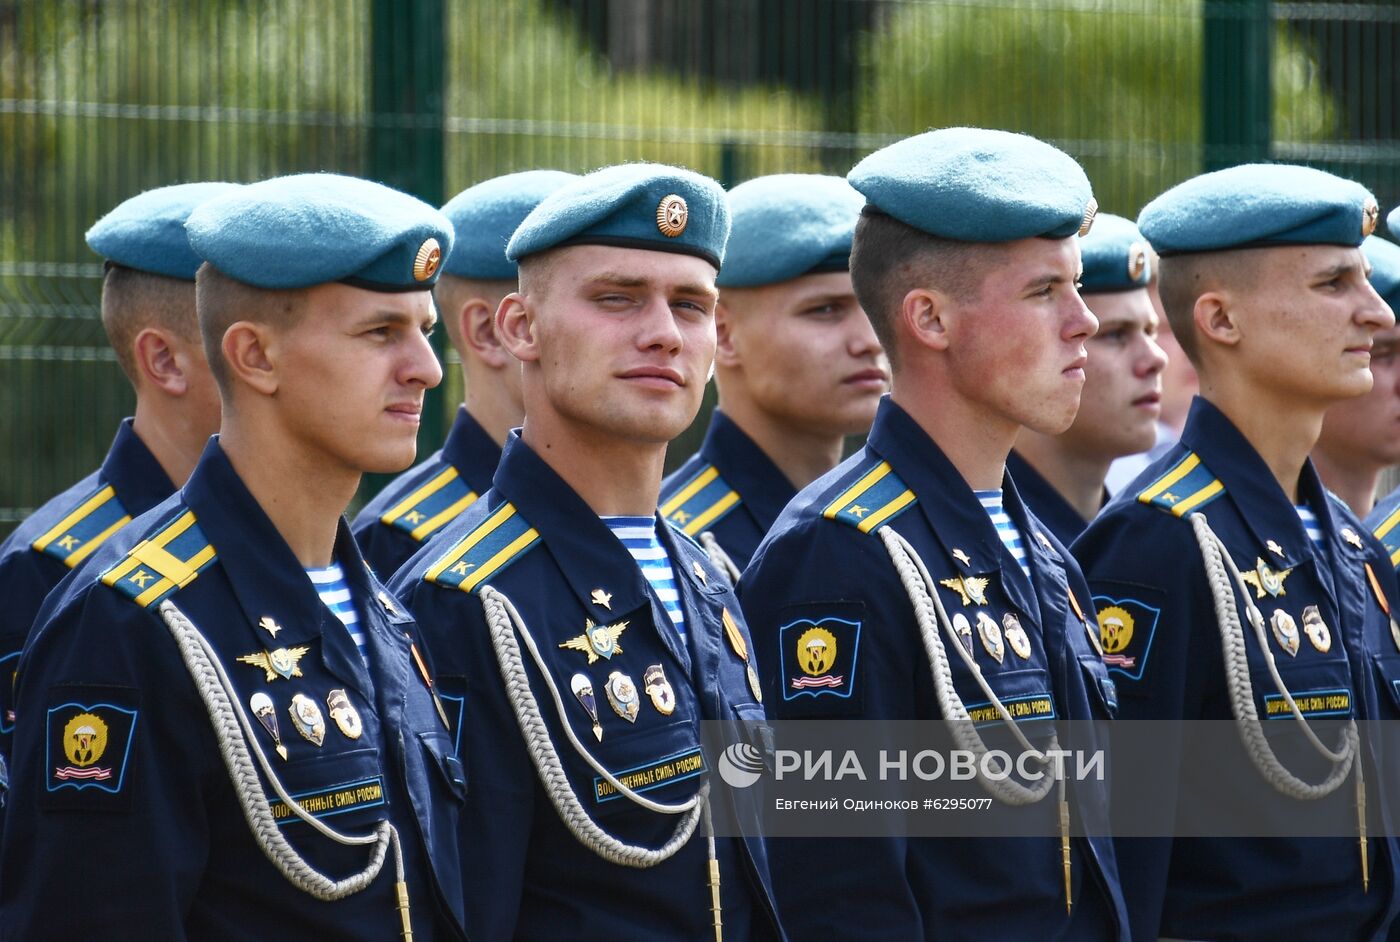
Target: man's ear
{"x": 250, "y": 350}
{"x": 476, "y": 325}
{"x": 158, "y": 363}
{"x": 726, "y": 346}
{"x": 926, "y": 316}
{"x": 1216, "y": 318}
{"x": 515, "y": 328}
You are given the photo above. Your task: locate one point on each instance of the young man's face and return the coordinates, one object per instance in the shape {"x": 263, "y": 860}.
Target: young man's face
{"x": 1017, "y": 348}
{"x": 1365, "y": 431}
{"x": 1307, "y": 323}
{"x": 353, "y": 369}
{"x": 621, "y": 341}
{"x": 1122, "y": 395}
{"x": 805, "y": 353}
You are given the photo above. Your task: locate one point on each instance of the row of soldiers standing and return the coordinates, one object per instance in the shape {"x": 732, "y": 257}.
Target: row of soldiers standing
{"x": 222, "y": 724}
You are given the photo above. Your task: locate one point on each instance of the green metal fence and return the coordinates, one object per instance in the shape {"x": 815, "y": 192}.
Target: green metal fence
{"x": 100, "y": 99}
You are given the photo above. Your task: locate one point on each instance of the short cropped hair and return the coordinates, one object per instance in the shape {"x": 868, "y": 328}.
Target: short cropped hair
{"x": 1184, "y": 278}
{"x": 133, "y": 300}
{"x": 452, "y": 291}
{"x": 223, "y": 301}
{"x": 889, "y": 259}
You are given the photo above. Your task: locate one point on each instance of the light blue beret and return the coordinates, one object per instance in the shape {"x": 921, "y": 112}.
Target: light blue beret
{"x": 1116, "y": 256}
{"x": 1392, "y": 221}
{"x": 147, "y": 232}
{"x": 1259, "y": 205}
{"x": 486, "y": 215}
{"x": 976, "y": 185}
{"x": 313, "y": 228}
{"x": 1385, "y": 268}
{"x": 635, "y": 206}
{"x": 787, "y": 225}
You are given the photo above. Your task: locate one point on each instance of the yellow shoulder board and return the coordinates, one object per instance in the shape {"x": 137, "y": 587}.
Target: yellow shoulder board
{"x": 700, "y": 502}
{"x": 1188, "y": 486}
{"x": 431, "y": 506}
{"x": 877, "y": 496}
{"x": 74, "y": 538}
{"x": 1388, "y": 532}
{"x": 160, "y": 566}
{"x": 499, "y": 540}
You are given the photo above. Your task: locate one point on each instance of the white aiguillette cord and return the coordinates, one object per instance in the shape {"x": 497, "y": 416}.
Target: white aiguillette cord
{"x": 238, "y": 745}
{"x": 1221, "y": 572}
{"x": 719, "y": 558}
{"x": 929, "y": 613}
{"x": 505, "y": 622}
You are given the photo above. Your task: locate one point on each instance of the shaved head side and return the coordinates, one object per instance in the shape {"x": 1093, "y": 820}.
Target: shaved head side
{"x": 223, "y": 302}
{"x": 889, "y": 259}
{"x": 134, "y": 300}
{"x": 452, "y": 292}
{"x": 1184, "y": 278}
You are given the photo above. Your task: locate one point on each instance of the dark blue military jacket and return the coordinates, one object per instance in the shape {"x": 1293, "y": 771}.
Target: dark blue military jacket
{"x": 729, "y": 488}
{"x": 534, "y": 539}
{"x": 824, "y": 567}
{"x": 59, "y": 536}
{"x": 123, "y": 821}
{"x": 424, "y": 499}
{"x": 1162, "y": 641}
{"x": 1047, "y": 504}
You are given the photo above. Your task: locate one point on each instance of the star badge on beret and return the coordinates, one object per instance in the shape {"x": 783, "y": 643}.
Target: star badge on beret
{"x": 1090, "y": 211}
{"x": 426, "y": 262}
{"x": 672, "y": 215}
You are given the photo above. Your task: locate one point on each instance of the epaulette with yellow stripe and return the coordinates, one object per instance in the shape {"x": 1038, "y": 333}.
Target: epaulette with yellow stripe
{"x": 700, "y": 502}
{"x": 432, "y": 506}
{"x": 498, "y": 541}
{"x": 1389, "y": 534}
{"x": 1188, "y": 486}
{"x": 877, "y": 496}
{"x": 158, "y": 567}
{"x": 77, "y": 535}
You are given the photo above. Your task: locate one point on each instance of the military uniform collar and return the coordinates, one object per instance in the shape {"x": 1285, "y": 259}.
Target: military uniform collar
{"x": 135, "y": 474}
{"x": 267, "y": 578}
{"x": 1047, "y": 503}
{"x": 1267, "y": 512}
{"x": 953, "y": 512}
{"x": 745, "y": 467}
{"x": 593, "y": 561}
{"x": 471, "y": 451}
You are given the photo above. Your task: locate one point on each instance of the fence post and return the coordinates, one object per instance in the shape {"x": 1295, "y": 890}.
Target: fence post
{"x": 1237, "y": 107}
{"x": 407, "y": 77}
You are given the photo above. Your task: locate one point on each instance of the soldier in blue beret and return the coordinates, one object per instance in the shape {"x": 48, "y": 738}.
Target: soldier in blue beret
{"x": 797, "y": 364}
{"x": 1264, "y": 282}
{"x": 966, "y": 260}
{"x": 474, "y": 279}
{"x": 1361, "y": 437}
{"x": 148, "y": 313}
{"x": 227, "y": 726}
{"x": 1061, "y": 477}
{"x": 592, "y": 638}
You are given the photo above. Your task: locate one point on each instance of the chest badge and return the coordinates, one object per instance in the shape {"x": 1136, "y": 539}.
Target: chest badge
{"x": 387, "y": 603}
{"x": 597, "y": 641}
{"x": 699, "y": 571}
{"x": 1016, "y": 636}
{"x": 971, "y": 589}
{"x": 1350, "y": 536}
{"x": 599, "y": 597}
{"x": 1273, "y": 547}
{"x": 1316, "y": 629}
{"x": 583, "y": 689}
{"x": 347, "y": 718}
{"x": 622, "y": 696}
{"x": 269, "y": 624}
{"x": 1285, "y": 631}
{"x": 307, "y": 718}
{"x": 964, "y": 629}
{"x": 741, "y": 648}
{"x": 261, "y": 705}
{"x": 962, "y": 557}
{"x": 990, "y": 632}
{"x": 283, "y": 662}
{"x": 1265, "y": 580}
{"x": 658, "y": 688}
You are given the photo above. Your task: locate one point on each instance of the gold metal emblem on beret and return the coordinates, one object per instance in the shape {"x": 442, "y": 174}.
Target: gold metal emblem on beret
{"x": 1137, "y": 260}
{"x": 671, "y": 216}
{"x": 1090, "y": 211}
{"x": 426, "y": 262}
{"x": 1370, "y": 215}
